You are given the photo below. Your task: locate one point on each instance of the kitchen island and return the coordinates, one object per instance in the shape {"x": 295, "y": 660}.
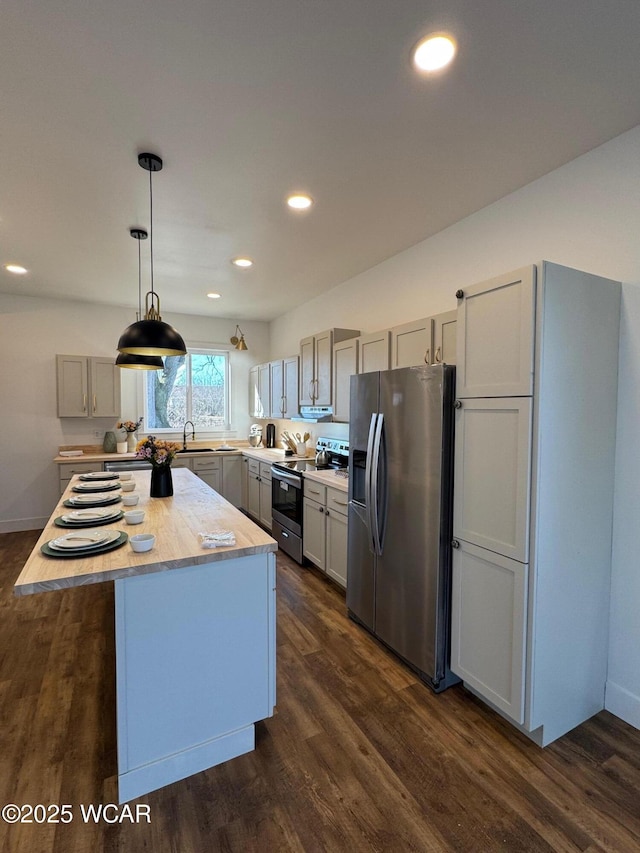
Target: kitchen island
{"x": 195, "y": 631}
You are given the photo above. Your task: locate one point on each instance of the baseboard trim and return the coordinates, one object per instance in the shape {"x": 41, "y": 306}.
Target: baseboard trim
{"x": 622, "y": 703}
{"x": 141, "y": 780}
{"x": 19, "y": 525}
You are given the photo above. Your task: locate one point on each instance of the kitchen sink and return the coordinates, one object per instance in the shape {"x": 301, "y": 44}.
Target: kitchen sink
{"x": 196, "y": 450}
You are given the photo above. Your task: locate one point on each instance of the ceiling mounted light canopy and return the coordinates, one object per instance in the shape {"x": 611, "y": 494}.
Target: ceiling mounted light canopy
{"x": 238, "y": 339}
{"x": 243, "y": 263}
{"x": 151, "y": 336}
{"x": 139, "y": 362}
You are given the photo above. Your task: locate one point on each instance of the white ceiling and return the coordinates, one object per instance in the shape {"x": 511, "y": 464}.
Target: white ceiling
{"x": 246, "y": 100}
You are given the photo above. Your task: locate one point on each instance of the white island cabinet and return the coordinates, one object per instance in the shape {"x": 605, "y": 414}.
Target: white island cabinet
{"x": 533, "y": 494}
{"x": 195, "y": 632}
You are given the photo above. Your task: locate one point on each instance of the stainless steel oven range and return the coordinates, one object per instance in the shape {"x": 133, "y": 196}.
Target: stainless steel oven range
{"x": 287, "y": 493}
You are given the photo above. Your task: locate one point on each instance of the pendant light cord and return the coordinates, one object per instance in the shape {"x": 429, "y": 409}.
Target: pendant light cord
{"x": 151, "y": 230}
{"x": 139, "y": 283}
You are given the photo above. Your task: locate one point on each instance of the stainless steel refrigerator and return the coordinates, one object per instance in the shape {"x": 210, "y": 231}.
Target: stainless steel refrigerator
{"x": 400, "y": 513}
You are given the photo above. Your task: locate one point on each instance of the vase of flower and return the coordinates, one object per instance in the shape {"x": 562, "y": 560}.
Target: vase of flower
{"x": 161, "y": 482}
{"x": 130, "y": 428}
{"x": 161, "y": 454}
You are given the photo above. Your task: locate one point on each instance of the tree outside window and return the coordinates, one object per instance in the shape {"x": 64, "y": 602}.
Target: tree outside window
{"x": 192, "y": 387}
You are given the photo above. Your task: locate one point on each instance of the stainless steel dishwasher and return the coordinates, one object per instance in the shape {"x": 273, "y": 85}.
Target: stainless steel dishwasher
{"x": 128, "y": 465}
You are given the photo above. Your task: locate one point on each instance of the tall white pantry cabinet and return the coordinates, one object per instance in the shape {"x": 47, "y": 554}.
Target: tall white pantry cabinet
{"x": 536, "y": 393}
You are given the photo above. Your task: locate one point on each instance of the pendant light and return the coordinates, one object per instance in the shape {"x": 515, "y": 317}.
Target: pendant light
{"x": 139, "y": 362}
{"x": 238, "y": 339}
{"x": 151, "y": 336}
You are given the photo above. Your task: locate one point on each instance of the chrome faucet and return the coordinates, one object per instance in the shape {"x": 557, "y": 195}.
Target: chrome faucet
{"x": 184, "y": 434}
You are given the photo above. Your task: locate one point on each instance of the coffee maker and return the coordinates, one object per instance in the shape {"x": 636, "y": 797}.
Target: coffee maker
{"x": 270, "y": 439}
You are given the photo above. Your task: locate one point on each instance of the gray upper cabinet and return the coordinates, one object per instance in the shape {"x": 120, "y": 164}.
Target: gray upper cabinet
{"x": 88, "y": 387}
{"x": 375, "y": 351}
{"x": 412, "y": 343}
{"x": 345, "y": 365}
{"x": 495, "y": 337}
{"x": 316, "y": 357}
{"x": 284, "y": 388}
{"x": 444, "y": 337}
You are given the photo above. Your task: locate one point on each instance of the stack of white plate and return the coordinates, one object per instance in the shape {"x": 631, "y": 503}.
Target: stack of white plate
{"x": 91, "y": 516}
{"x": 85, "y": 541}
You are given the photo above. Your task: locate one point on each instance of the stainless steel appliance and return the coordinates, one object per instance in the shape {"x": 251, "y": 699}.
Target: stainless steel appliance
{"x": 128, "y": 465}
{"x": 287, "y": 493}
{"x": 400, "y": 513}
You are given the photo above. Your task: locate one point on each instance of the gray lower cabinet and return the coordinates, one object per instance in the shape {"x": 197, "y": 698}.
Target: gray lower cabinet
{"x": 325, "y": 530}
{"x": 533, "y": 494}
{"x": 66, "y": 470}
{"x": 259, "y": 492}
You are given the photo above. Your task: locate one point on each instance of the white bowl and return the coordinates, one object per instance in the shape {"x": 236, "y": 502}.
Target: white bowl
{"x": 129, "y": 486}
{"x": 142, "y": 542}
{"x": 130, "y": 500}
{"x": 126, "y": 476}
{"x": 134, "y": 516}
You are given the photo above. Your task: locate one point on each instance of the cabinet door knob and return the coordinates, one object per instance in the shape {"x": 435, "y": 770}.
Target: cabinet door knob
{"x": 457, "y": 404}
{"x": 321, "y": 509}
{"x": 459, "y": 294}
{"x": 326, "y": 512}
{"x": 455, "y": 544}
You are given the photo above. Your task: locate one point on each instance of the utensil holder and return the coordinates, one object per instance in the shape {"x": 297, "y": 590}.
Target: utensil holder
{"x": 301, "y": 448}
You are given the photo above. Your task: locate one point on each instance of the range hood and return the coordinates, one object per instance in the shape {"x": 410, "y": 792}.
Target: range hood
{"x": 314, "y": 414}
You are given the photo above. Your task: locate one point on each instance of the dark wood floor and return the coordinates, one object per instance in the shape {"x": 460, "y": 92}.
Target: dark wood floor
{"x": 360, "y": 756}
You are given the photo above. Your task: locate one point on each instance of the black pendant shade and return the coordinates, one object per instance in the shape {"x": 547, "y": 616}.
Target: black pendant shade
{"x": 151, "y": 336}
{"x": 139, "y": 362}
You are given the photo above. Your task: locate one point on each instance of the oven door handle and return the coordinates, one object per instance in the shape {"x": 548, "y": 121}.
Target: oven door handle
{"x": 290, "y": 479}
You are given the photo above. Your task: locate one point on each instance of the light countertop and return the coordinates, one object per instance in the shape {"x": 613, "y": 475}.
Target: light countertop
{"x": 264, "y": 454}
{"x": 176, "y": 521}
{"x": 328, "y": 478}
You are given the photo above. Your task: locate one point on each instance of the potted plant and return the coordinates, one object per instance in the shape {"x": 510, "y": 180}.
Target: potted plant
{"x": 129, "y": 428}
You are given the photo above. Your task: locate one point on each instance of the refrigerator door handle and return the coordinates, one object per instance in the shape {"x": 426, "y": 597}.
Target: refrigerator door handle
{"x": 368, "y": 495}
{"x": 375, "y": 476}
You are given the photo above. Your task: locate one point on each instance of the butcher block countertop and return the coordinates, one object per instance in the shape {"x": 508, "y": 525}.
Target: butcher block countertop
{"x": 176, "y": 521}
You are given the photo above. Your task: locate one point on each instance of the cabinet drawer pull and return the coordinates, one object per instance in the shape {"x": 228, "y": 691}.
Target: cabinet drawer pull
{"x": 340, "y": 503}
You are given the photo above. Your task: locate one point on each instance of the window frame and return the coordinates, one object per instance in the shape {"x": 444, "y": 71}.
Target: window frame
{"x": 192, "y": 349}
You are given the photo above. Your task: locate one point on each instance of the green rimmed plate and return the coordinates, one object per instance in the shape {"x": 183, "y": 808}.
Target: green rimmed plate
{"x": 122, "y": 539}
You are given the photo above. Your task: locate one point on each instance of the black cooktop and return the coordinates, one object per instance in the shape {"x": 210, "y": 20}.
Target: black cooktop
{"x": 298, "y": 465}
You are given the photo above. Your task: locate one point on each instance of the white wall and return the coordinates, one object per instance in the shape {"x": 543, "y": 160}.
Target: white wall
{"x": 585, "y": 215}
{"x": 32, "y": 332}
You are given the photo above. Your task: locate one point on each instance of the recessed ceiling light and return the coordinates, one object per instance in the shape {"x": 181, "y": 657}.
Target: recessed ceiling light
{"x": 300, "y": 201}
{"x": 242, "y": 262}
{"x": 213, "y": 295}
{"x": 16, "y": 269}
{"x": 434, "y": 52}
